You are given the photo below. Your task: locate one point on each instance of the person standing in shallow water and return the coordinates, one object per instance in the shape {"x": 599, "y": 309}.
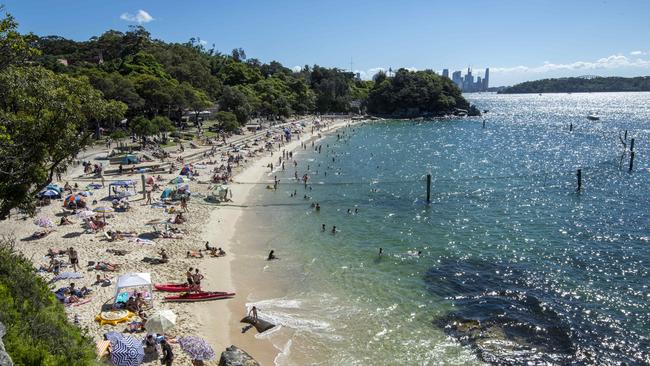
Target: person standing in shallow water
{"x": 334, "y": 229}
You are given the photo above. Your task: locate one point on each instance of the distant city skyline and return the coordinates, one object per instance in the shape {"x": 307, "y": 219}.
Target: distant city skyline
{"x": 520, "y": 40}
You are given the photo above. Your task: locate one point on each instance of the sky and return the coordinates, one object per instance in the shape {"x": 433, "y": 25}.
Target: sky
{"x": 518, "y": 40}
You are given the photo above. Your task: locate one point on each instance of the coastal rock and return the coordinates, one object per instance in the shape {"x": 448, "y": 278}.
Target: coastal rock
{"x": 234, "y": 356}
{"x": 5, "y": 360}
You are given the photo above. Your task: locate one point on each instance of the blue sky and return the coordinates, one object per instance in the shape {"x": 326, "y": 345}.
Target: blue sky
{"x": 518, "y": 39}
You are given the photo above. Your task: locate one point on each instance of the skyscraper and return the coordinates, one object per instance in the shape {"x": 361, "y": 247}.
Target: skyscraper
{"x": 445, "y": 73}
{"x": 486, "y": 79}
{"x": 457, "y": 78}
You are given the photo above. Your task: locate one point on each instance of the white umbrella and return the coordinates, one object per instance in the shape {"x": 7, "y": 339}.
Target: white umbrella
{"x": 160, "y": 322}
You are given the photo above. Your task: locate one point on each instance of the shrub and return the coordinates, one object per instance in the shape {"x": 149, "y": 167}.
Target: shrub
{"x": 38, "y": 331}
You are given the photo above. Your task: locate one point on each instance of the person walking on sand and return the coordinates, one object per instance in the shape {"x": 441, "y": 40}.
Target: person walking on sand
{"x": 148, "y": 196}
{"x": 168, "y": 355}
{"x": 74, "y": 258}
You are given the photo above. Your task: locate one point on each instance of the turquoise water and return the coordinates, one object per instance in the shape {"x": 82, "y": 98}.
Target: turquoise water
{"x": 516, "y": 267}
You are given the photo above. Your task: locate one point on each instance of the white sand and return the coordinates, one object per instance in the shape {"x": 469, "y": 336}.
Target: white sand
{"x": 206, "y": 222}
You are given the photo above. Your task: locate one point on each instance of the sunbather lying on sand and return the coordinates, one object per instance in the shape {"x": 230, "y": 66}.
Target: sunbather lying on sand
{"x": 171, "y": 235}
{"x": 42, "y": 233}
{"x": 65, "y": 221}
{"x": 52, "y": 252}
{"x": 113, "y": 235}
{"x": 194, "y": 254}
{"x": 105, "y": 266}
{"x": 117, "y": 251}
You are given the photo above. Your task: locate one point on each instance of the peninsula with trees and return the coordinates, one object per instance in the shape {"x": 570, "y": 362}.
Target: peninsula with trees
{"x": 581, "y": 85}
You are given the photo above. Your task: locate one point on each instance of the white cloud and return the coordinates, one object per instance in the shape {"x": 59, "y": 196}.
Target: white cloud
{"x": 610, "y": 62}
{"x": 203, "y": 42}
{"x": 296, "y": 68}
{"x": 140, "y": 17}
{"x": 637, "y": 53}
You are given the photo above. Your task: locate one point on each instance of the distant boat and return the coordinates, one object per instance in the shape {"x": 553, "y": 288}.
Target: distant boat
{"x": 593, "y": 117}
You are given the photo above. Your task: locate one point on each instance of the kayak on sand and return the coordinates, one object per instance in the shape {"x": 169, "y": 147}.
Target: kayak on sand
{"x": 199, "y": 296}
{"x": 172, "y": 287}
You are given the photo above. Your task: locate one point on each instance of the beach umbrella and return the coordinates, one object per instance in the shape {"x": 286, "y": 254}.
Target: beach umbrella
{"x": 43, "y": 222}
{"x": 67, "y": 276}
{"x": 160, "y": 322}
{"x": 85, "y": 214}
{"x": 104, "y": 210}
{"x": 197, "y": 348}
{"x": 50, "y": 193}
{"x": 125, "y": 351}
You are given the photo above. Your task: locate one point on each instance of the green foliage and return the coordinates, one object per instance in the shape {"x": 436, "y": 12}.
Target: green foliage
{"x": 238, "y": 73}
{"x": 414, "y": 93}
{"x": 45, "y": 119}
{"x": 13, "y": 46}
{"x": 227, "y": 121}
{"x": 581, "y": 85}
{"x": 118, "y": 134}
{"x": 38, "y": 332}
{"x": 144, "y": 127}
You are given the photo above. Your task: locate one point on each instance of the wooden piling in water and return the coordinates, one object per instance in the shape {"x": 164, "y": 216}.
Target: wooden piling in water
{"x": 579, "y": 174}
{"x": 625, "y": 138}
{"x": 631, "y": 161}
{"x": 428, "y": 188}
{"x": 631, "y": 145}
{"x": 571, "y": 127}
{"x": 483, "y": 123}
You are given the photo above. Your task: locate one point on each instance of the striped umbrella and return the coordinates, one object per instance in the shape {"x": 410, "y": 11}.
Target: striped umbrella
{"x": 43, "y": 222}
{"x": 125, "y": 351}
{"x": 197, "y": 348}
{"x": 104, "y": 210}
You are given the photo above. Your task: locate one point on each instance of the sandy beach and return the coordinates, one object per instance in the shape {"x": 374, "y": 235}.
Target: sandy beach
{"x": 219, "y": 224}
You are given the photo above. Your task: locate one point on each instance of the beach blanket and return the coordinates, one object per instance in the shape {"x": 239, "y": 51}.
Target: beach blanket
{"x": 143, "y": 241}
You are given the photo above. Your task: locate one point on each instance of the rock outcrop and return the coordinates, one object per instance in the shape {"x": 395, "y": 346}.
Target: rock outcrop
{"x": 234, "y": 356}
{"x": 5, "y": 360}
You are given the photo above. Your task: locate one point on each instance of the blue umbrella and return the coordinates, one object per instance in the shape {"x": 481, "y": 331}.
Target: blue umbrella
{"x": 125, "y": 351}
{"x": 50, "y": 193}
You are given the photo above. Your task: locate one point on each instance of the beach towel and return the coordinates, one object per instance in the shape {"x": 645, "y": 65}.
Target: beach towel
{"x": 143, "y": 241}
{"x": 101, "y": 348}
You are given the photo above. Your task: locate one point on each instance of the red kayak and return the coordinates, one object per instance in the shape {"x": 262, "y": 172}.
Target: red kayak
{"x": 199, "y": 296}
{"x": 172, "y": 287}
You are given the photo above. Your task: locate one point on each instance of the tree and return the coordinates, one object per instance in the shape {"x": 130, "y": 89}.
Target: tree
{"x": 236, "y": 101}
{"x": 45, "y": 121}
{"x": 37, "y": 329}
{"x": 227, "y": 121}
{"x": 164, "y": 126}
{"x": 14, "y": 47}
{"x": 144, "y": 127}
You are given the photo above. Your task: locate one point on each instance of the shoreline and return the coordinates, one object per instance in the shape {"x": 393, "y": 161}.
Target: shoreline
{"x": 224, "y": 229}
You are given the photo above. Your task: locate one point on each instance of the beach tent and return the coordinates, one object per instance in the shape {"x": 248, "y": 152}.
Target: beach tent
{"x": 167, "y": 193}
{"x": 130, "y": 159}
{"x": 134, "y": 280}
{"x": 125, "y": 184}
{"x": 54, "y": 187}
{"x": 186, "y": 170}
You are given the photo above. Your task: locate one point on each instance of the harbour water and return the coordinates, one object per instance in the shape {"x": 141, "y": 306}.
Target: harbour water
{"x": 516, "y": 266}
